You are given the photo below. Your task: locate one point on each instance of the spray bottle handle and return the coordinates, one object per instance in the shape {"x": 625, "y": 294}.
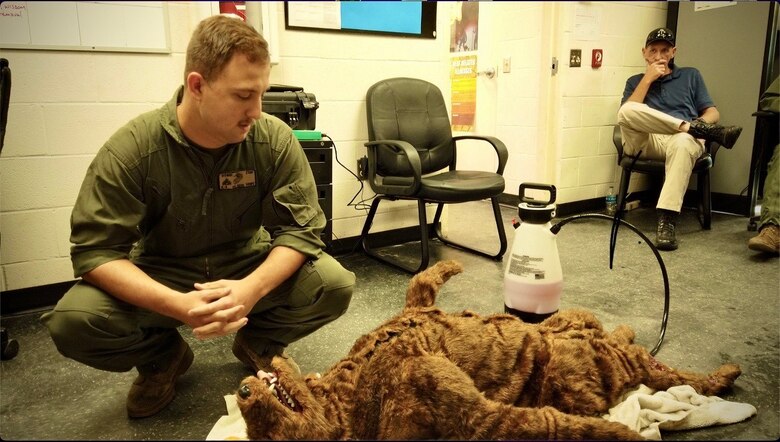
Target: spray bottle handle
{"x": 525, "y": 199}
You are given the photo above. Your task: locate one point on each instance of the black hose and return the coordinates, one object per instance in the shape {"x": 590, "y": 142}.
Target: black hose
{"x": 616, "y": 221}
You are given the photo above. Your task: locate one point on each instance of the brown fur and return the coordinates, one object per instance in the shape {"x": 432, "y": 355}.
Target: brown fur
{"x": 426, "y": 374}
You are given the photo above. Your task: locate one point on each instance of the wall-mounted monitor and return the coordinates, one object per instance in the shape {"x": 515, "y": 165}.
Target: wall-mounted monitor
{"x": 399, "y": 18}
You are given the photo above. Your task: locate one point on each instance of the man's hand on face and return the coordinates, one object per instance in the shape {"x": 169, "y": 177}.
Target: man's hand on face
{"x": 657, "y": 70}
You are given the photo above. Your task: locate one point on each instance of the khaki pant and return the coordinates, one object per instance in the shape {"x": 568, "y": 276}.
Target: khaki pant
{"x": 658, "y": 136}
{"x": 101, "y": 331}
{"x": 770, "y": 205}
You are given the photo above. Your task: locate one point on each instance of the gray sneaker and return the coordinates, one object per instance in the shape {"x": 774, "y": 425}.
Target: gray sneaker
{"x": 665, "y": 238}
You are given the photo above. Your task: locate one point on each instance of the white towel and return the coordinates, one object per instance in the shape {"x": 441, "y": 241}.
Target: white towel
{"x": 679, "y": 408}
{"x": 232, "y": 426}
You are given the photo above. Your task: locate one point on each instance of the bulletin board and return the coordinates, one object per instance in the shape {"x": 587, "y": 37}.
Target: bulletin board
{"x": 120, "y": 26}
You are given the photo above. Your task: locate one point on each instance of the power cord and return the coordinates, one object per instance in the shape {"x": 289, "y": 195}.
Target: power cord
{"x": 362, "y": 204}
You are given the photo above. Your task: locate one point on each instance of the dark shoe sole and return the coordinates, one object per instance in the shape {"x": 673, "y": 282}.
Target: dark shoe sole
{"x": 666, "y": 246}
{"x": 184, "y": 364}
{"x": 762, "y": 247}
{"x": 731, "y": 139}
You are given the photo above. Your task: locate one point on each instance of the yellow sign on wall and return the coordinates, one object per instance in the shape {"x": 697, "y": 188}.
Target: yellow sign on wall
{"x": 463, "y": 75}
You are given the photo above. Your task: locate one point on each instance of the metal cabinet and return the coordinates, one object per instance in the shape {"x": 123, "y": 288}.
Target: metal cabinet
{"x": 320, "y": 156}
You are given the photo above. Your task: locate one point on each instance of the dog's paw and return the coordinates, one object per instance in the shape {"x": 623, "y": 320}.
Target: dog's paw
{"x": 728, "y": 372}
{"x": 723, "y": 378}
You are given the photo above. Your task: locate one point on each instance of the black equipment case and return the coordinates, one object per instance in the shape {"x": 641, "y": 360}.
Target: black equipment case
{"x": 292, "y": 105}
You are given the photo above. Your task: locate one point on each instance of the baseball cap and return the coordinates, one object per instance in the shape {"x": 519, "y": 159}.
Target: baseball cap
{"x": 660, "y": 34}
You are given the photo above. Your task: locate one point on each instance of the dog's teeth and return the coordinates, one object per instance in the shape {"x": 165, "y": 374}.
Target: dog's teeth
{"x": 272, "y": 388}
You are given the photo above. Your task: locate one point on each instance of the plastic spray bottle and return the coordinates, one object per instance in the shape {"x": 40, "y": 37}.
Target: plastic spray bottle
{"x": 533, "y": 280}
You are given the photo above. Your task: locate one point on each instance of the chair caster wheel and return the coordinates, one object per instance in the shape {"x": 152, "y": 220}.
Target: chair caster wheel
{"x": 9, "y": 347}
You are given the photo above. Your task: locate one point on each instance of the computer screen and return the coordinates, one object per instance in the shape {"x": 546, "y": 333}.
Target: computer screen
{"x": 402, "y": 18}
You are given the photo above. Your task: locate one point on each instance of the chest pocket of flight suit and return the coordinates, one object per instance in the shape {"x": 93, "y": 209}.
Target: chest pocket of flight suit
{"x": 168, "y": 225}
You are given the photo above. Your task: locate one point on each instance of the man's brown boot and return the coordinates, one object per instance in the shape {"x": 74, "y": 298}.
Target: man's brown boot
{"x": 154, "y": 388}
{"x": 726, "y": 136}
{"x": 255, "y": 361}
{"x": 767, "y": 240}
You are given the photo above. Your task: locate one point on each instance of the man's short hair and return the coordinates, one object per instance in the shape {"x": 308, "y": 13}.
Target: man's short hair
{"x": 216, "y": 39}
{"x": 660, "y": 34}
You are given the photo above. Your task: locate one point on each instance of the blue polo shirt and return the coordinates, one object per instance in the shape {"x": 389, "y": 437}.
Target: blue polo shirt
{"x": 681, "y": 94}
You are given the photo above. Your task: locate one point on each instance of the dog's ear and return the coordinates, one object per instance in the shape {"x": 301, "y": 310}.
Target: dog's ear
{"x": 425, "y": 285}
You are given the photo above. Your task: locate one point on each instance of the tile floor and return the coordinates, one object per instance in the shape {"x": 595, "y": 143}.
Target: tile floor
{"x": 724, "y": 307}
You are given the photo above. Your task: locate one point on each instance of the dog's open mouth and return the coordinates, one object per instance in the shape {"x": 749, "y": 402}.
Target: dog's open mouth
{"x": 276, "y": 388}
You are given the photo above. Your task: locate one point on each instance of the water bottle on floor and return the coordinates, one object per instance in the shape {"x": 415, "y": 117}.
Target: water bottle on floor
{"x": 611, "y": 202}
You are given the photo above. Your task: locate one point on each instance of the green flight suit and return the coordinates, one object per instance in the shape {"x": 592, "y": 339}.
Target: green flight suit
{"x": 770, "y": 205}
{"x": 184, "y": 215}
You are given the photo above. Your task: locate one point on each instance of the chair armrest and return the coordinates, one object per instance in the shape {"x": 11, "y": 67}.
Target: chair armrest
{"x": 764, "y": 114}
{"x": 498, "y": 145}
{"x": 414, "y": 162}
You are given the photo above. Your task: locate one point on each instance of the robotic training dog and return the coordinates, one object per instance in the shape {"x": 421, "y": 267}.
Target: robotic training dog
{"x": 427, "y": 374}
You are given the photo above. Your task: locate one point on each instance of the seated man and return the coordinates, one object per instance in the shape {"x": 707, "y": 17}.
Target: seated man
{"x": 768, "y": 238}
{"x": 201, "y": 213}
{"x": 665, "y": 114}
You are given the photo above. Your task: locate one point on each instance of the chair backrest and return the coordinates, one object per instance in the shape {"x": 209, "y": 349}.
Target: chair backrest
{"x": 5, "y": 97}
{"x": 410, "y": 110}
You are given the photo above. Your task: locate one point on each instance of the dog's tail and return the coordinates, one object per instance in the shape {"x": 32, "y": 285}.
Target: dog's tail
{"x": 425, "y": 285}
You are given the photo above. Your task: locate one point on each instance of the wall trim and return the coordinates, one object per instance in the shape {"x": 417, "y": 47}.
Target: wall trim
{"x": 30, "y": 299}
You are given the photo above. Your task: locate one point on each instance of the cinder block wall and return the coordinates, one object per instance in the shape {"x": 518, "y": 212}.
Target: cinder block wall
{"x": 590, "y": 97}
{"x": 64, "y": 105}
{"x": 558, "y": 128}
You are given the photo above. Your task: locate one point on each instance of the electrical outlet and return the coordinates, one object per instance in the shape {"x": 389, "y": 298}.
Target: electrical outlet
{"x": 507, "y": 65}
{"x": 362, "y": 168}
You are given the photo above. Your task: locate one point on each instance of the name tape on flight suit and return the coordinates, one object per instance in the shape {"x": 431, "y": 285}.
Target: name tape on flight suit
{"x": 236, "y": 180}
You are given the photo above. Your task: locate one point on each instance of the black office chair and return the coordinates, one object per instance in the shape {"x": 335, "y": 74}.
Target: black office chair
{"x": 702, "y": 168}
{"x": 767, "y": 134}
{"x": 8, "y": 347}
{"x": 410, "y": 146}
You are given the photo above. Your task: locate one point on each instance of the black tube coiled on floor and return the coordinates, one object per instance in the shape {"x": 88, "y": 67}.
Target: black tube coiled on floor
{"x": 616, "y": 222}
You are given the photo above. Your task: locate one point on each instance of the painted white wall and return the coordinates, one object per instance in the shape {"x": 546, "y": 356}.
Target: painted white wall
{"x": 587, "y": 164}
{"x": 339, "y": 68}
{"x": 64, "y": 105}
{"x": 558, "y": 128}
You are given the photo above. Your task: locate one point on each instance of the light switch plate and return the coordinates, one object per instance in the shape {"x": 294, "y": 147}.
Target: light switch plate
{"x": 575, "y": 58}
